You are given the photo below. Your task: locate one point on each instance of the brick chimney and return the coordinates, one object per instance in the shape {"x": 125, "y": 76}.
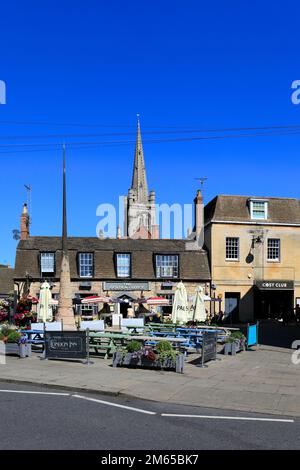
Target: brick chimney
{"x": 199, "y": 213}
{"x": 24, "y": 223}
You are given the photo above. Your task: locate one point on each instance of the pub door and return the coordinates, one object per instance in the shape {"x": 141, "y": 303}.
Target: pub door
{"x": 232, "y": 306}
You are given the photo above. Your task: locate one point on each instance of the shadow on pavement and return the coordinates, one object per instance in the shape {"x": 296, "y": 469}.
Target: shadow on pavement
{"x": 275, "y": 333}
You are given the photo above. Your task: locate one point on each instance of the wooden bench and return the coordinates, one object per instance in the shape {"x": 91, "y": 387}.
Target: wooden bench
{"x": 105, "y": 344}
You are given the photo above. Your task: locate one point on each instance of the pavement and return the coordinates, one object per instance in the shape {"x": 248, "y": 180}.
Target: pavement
{"x": 262, "y": 381}
{"x": 42, "y": 418}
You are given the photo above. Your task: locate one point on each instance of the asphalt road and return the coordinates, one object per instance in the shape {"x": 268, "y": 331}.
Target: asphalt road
{"x": 38, "y": 421}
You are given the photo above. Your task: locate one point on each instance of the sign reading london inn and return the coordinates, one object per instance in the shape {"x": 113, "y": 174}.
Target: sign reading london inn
{"x": 126, "y": 286}
{"x": 275, "y": 285}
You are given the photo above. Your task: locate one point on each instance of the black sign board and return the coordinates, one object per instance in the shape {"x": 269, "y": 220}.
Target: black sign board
{"x": 209, "y": 347}
{"x": 275, "y": 285}
{"x": 65, "y": 345}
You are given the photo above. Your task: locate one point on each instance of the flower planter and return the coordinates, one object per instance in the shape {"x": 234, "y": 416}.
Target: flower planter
{"x": 233, "y": 348}
{"x": 131, "y": 360}
{"x": 21, "y": 350}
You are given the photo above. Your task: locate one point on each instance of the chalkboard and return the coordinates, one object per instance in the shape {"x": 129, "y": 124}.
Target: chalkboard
{"x": 65, "y": 345}
{"x": 209, "y": 346}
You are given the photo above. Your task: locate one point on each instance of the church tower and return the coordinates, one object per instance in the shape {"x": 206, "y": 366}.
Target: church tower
{"x": 139, "y": 205}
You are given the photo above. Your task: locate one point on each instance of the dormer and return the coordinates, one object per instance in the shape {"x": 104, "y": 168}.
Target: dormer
{"x": 258, "y": 208}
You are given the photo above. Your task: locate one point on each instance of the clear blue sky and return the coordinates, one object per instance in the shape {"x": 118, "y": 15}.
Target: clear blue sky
{"x": 179, "y": 63}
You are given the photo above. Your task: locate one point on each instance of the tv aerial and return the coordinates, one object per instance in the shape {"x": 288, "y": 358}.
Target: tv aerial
{"x": 202, "y": 180}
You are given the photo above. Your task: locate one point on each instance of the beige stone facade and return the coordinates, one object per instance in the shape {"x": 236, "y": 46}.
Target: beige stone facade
{"x": 261, "y": 287}
{"x": 97, "y": 288}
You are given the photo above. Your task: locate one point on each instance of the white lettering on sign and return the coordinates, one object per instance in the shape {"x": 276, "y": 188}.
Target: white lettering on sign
{"x": 272, "y": 285}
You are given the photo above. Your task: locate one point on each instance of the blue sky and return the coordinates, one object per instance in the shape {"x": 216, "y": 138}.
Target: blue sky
{"x": 180, "y": 64}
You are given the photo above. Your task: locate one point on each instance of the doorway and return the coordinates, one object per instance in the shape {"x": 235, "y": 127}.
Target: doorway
{"x": 125, "y": 304}
{"x": 232, "y": 307}
{"x": 271, "y": 304}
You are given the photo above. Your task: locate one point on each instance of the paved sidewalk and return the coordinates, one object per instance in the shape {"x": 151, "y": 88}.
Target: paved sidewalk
{"x": 263, "y": 381}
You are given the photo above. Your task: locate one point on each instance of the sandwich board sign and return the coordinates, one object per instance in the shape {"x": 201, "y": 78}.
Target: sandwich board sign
{"x": 66, "y": 345}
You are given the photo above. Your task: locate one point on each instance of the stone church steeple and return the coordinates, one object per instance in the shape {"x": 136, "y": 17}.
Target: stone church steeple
{"x": 139, "y": 205}
{"x": 139, "y": 178}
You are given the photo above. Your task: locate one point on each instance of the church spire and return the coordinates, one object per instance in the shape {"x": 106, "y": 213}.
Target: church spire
{"x": 139, "y": 179}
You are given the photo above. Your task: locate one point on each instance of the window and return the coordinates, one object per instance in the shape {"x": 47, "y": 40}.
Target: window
{"x": 123, "y": 264}
{"x": 86, "y": 264}
{"x": 47, "y": 264}
{"x": 167, "y": 266}
{"x": 232, "y": 248}
{"x": 273, "y": 249}
{"x": 259, "y": 209}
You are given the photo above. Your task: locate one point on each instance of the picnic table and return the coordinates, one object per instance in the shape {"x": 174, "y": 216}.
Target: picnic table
{"x": 156, "y": 339}
{"x": 106, "y": 344}
{"x": 133, "y": 329}
{"x": 161, "y": 326}
{"x": 35, "y": 337}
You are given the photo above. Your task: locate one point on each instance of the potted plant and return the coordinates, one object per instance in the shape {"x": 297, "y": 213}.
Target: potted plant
{"x": 235, "y": 343}
{"x": 15, "y": 342}
{"x": 137, "y": 355}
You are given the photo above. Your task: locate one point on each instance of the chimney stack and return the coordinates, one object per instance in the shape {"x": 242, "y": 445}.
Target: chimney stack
{"x": 199, "y": 213}
{"x": 119, "y": 236}
{"x": 24, "y": 223}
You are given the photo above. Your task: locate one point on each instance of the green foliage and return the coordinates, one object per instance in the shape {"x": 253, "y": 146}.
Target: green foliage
{"x": 13, "y": 337}
{"x": 5, "y": 329}
{"x": 236, "y": 336}
{"x": 165, "y": 351}
{"x": 134, "y": 346}
{"x": 164, "y": 346}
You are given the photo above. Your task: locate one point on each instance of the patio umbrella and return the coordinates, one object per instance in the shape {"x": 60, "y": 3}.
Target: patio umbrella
{"x": 158, "y": 301}
{"x": 32, "y": 299}
{"x": 180, "y": 305}
{"x": 95, "y": 299}
{"x": 199, "y": 313}
{"x": 45, "y": 311}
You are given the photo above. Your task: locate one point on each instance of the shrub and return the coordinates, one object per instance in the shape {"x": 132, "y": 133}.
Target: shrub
{"x": 165, "y": 351}
{"x": 236, "y": 336}
{"x": 13, "y": 337}
{"x": 164, "y": 346}
{"x": 133, "y": 346}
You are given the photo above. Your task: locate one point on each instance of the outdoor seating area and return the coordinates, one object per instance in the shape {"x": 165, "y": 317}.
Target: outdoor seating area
{"x": 112, "y": 336}
{"x": 110, "y": 343}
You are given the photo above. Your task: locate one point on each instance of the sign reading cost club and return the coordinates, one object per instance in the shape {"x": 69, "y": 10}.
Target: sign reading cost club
{"x": 275, "y": 285}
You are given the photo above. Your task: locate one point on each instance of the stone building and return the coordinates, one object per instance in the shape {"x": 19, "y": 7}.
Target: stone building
{"x": 6, "y": 281}
{"x": 124, "y": 268}
{"x": 254, "y": 250}
{"x": 139, "y": 205}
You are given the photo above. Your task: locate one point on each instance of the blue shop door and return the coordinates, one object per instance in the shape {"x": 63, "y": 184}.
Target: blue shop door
{"x": 232, "y": 303}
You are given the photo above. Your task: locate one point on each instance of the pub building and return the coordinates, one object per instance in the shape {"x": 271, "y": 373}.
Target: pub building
{"x": 6, "y": 281}
{"x": 139, "y": 265}
{"x": 254, "y": 251}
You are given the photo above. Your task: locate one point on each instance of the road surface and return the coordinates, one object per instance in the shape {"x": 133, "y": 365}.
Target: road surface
{"x": 42, "y": 418}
